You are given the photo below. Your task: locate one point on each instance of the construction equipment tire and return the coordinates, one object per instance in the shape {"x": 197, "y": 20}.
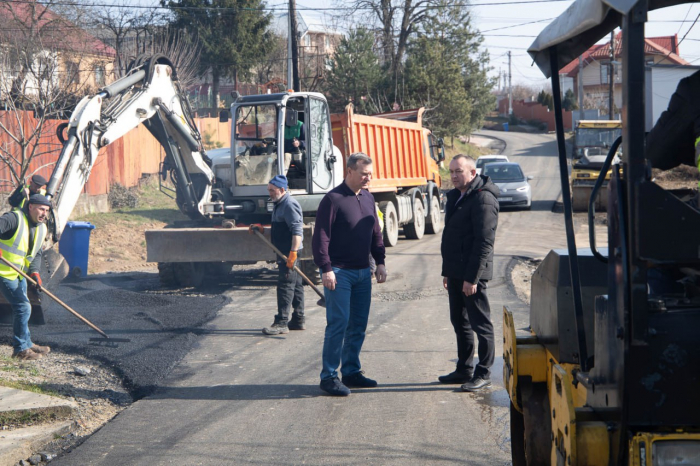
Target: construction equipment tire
{"x": 416, "y": 228}
{"x": 517, "y": 437}
{"x": 434, "y": 224}
{"x": 311, "y": 270}
{"x": 391, "y": 223}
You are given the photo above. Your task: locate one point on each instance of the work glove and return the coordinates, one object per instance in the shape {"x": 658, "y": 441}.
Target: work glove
{"x": 291, "y": 259}
{"x": 255, "y": 227}
{"x": 37, "y": 279}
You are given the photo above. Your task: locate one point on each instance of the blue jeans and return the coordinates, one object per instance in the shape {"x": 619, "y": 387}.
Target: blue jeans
{"x": 347, "y": 312}
{"x": 15, "y": 292}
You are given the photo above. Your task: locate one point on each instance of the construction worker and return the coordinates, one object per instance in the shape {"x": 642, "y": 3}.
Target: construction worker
{"x": 22, "y": 233}
{"x": 287, "y": 235}
{"x": 36, "y": 185}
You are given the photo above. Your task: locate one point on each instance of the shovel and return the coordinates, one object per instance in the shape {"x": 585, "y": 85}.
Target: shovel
{"x": 321, "y": 302}
{"x": 68, "y": 308}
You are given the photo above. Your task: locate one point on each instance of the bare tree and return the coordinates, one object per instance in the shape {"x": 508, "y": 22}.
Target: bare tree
{"x": 396, "y": 21}
{"x": 44, "y": 68}
{"x": 127, "y": 28}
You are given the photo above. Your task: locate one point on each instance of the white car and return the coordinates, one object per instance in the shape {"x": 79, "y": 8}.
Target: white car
{"x": 484, "y": 159}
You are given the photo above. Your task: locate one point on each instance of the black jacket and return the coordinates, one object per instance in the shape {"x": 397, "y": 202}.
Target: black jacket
{"x": 672, "y": 139}
{"x": 470, "y": 231}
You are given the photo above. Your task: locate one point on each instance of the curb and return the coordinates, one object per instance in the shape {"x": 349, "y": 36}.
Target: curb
{"x": 502, "y": 143}
{"x": 20, "y": 444}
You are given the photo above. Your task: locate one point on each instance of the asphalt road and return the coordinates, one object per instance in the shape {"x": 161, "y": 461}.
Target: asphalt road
{"x": 241, "y": 397}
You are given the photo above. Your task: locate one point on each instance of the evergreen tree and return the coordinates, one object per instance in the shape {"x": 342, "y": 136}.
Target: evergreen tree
{"x": 355, "y": 73}
{"x": 446, "y": 73}
{"x": 234, "y": 35}
{"x": 569, "y": 102}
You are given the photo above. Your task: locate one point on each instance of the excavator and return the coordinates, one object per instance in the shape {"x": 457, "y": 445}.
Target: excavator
{"x": 150, "y": 94}
{"x": 608, "y": 369}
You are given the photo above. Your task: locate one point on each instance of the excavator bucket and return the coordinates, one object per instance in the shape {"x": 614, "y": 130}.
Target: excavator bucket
{"x": 54, "y": 269}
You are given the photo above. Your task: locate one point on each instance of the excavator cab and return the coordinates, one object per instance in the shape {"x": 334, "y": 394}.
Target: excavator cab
{"x": 611, "y": 364}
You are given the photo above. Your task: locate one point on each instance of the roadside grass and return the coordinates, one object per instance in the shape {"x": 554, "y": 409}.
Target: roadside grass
{"x": 16, "y": 369}
{"x": 153, "y": 206}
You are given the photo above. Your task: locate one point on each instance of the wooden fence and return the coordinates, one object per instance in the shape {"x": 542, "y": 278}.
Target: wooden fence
{"x": 124, "y": 161}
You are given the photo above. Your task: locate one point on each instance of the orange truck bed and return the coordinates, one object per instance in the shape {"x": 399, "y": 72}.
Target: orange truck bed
{"x": 399, "y": 150}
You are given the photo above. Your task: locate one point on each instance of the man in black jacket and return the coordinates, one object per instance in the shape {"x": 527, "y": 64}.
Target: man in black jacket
{"x": 471, "y": 217}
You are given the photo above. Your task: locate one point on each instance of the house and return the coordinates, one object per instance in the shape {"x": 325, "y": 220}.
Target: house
{"x": 42, "y": 52}
{"x": 594, "y": 69}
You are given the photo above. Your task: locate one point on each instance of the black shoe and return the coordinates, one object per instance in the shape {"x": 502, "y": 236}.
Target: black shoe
{"x": 476, "y": 384}
{"x": 334, "y": 387}
{"x": 276, "y": 329}
{"x": 455, "y": 377}
{"x": 359, "y": 380}
{"x": 297, "y": 323}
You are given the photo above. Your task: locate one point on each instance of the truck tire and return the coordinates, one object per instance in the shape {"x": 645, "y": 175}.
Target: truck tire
{"x": 391, "y": 223}
{"x": 433, "y": 225}
{"x": 416, "y": 228}
{"x": 311, "y": 270}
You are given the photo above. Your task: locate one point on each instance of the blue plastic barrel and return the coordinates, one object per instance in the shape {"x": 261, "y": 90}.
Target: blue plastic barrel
{"x": 74, "y": 245}
{"x": 505, "y": 126}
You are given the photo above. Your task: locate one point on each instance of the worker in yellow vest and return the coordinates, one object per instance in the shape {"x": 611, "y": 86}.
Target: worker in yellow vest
{"x": 36, "y": 185}
{"x": 22, "y": 234}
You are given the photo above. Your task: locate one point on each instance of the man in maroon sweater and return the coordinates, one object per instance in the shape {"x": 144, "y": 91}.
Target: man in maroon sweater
{"x": 347, "y": 231}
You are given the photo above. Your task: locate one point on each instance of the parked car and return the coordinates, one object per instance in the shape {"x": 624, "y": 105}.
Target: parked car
{"x": 484, "y": 159}
{"x": 512, "y": 182}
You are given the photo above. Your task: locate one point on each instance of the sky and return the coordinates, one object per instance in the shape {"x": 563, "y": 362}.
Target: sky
{"x": 513, "y": 27}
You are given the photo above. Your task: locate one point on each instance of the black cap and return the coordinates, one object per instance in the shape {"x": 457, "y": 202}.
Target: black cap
{"x": 39, "y": 199}
{"x": 39, "y": 180}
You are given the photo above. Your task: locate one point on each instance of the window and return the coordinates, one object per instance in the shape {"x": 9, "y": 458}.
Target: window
{"x": 256, "y": 144}
{"x": 320, "y": 138}
{"x": 307, "y": 40}
{"x": 72, "y": 72}
{"x": 605, "y": 68}
{"x": 327, "y": 42}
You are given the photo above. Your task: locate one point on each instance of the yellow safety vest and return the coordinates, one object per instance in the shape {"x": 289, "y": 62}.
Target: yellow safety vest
{"x": 15, "y": 249}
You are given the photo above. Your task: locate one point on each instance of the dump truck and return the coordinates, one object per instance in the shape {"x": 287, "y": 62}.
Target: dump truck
{"x": 608, "y": 372}
{"x": 592, "y": 139}
{"x": 406, "y": 179}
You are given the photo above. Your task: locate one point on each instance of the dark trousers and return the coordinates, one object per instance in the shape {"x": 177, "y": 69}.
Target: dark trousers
{"x": 469, "y": 315}
{"x": 290, "y": 293}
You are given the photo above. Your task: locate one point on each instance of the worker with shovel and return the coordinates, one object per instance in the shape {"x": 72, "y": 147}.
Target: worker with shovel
{"x": 287, "y": 232}
{"x": 22, "y": 233}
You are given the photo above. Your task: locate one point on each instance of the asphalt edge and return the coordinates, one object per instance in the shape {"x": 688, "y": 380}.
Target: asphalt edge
{"x": 514, "y": 260}
{"x": 502, "y": 144}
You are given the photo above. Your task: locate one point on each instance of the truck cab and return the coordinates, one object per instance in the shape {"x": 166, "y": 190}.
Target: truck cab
{"x": 277, "y": 134}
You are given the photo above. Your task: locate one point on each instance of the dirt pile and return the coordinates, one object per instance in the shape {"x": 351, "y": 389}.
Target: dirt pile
{"x": 680, "y": 177}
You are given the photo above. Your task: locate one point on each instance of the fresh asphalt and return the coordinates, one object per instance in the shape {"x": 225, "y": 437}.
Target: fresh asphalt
{"x": 240, "y": 397}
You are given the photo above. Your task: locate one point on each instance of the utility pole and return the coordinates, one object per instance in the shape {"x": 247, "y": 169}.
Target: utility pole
{"x": 611, "y": 104}
{"x": 510, "y": 88}
{"x": 295, "y": 44}
{"x": 290, "y": 66}
{"x": 580, "y": 87}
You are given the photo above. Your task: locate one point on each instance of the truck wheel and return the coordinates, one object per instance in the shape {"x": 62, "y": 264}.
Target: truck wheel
{"x": 391, "y": 223}
{"x": 311, "y": 270}
{"x": 434, "y": 220}
{"x": 416, "y": 228}
{"x": 517, "y": 437}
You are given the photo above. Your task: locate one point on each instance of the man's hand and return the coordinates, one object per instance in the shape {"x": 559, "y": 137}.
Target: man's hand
{"x": 291, "y": 259}
{"x": 468, "y": 288}
{"x": 37, "y": 278}
{"x": 444, "y": 282}
{"x": 329, "y": 280}
{"x": 380, "y": 273}
{"x": 255, "y": 227}
{"x": 296, "y": 142}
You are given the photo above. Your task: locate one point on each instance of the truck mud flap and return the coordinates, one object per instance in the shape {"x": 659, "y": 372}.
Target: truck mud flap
{"x": 214, "y": 245}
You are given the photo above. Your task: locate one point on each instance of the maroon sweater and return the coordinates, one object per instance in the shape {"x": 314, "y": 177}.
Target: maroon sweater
{"x": 347, "y": 230}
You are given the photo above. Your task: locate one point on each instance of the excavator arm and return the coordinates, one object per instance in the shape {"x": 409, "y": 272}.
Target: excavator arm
{"x": 150, "y": 94}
